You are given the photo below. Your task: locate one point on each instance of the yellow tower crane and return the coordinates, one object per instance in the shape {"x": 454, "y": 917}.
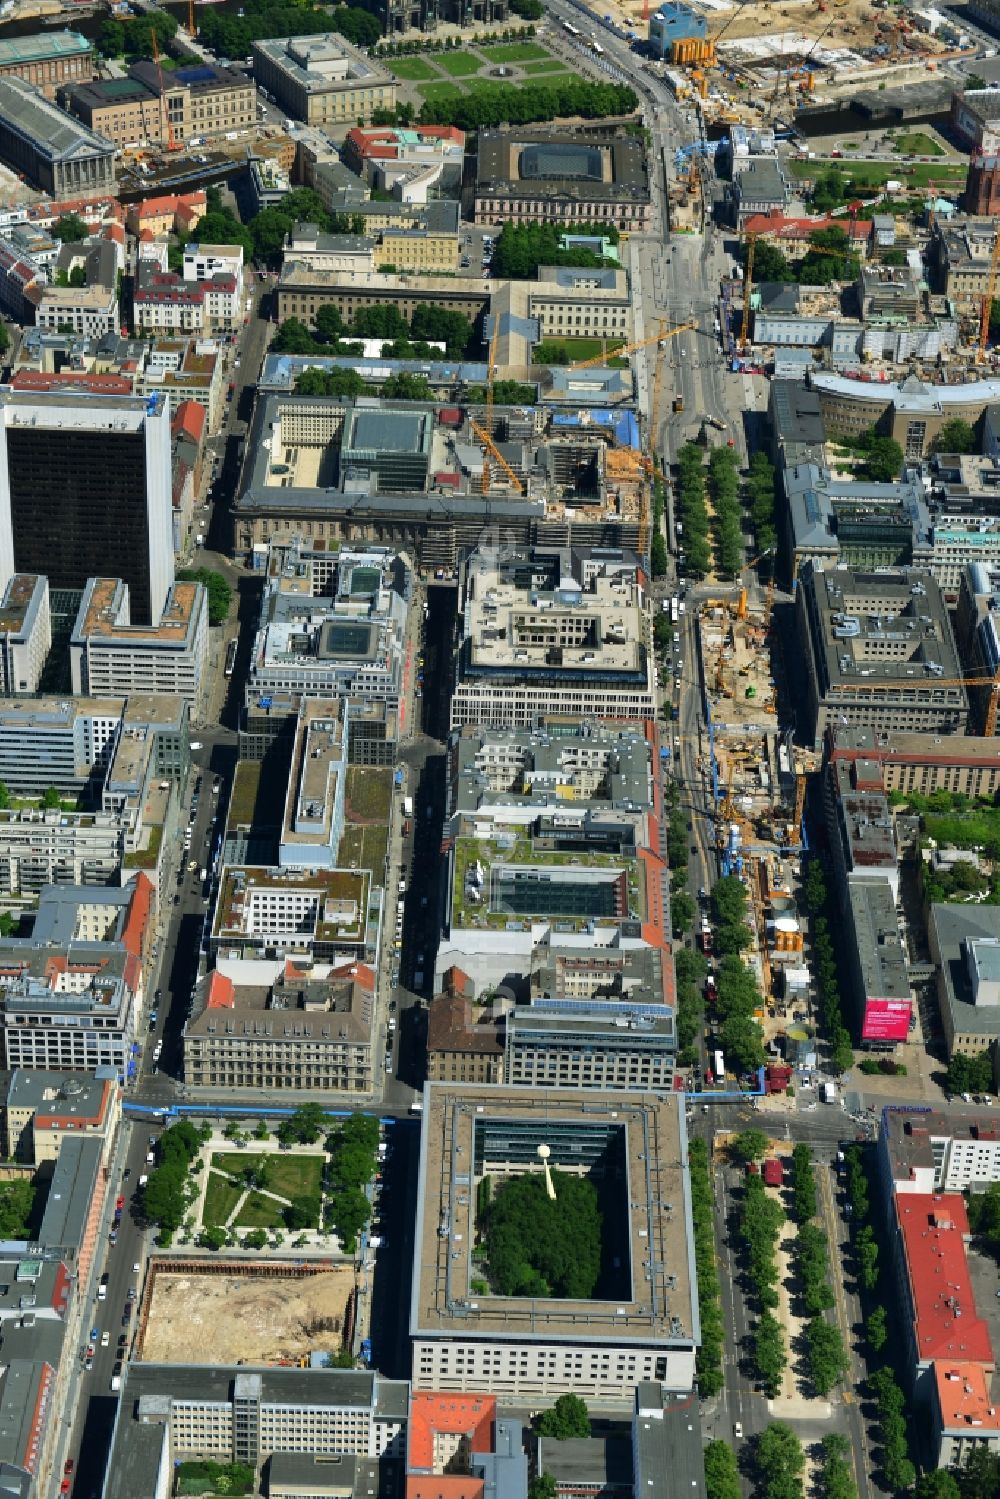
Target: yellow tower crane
{"x": 750, "y": 241}
{"x": 971, "y": 679}
{"x": 489, "y": 445}
{"x": 626, "y": 349}
{"x": 991, "y": 288}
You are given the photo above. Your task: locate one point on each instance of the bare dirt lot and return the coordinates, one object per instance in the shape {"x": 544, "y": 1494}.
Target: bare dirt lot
{"x": 220, "y": 1319}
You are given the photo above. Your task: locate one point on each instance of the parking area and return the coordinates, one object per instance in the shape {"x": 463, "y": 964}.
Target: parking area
{"x": 983, "y": 1274}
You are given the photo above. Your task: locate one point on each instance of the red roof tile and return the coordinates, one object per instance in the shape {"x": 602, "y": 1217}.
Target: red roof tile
{"x": 221, "y": 992}
{"x": 468, "y": 1416}
{"x": 189, "y": 418}
{"x": 945, "y": 1322}
{"x": 140, "y": 909}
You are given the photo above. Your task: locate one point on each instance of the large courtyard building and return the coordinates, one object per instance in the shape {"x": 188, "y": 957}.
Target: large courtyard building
{"x": 551, "y": 175}
{"x": 323, "y": 80}
{"x": 85, "y": 491}
{"x": 552, "y": 631}
{"x": 333, "y": 624}
{"x": 298, "y": 1027}
{"x": 643, "y": 1323}
{"x": 879, "y": 652}
{"x": 389, "y": 472}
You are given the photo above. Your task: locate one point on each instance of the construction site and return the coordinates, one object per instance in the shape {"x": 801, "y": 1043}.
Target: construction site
{"x": 748, "y": 61}
{"x": 269, "y": 1312}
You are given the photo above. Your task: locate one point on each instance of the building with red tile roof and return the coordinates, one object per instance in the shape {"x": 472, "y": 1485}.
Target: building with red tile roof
{"x": 445, "y": 1433}
{"x": 941, "y": 1317}
{"x": 173, "y": 213}
{"x": 964, "y": 1415}
{"x": 189, "y": 420}
{"x": 784, "y": 227}
{"x": 73, "y": 380}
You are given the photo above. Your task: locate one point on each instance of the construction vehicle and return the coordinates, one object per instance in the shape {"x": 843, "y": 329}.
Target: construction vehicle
{"x": 485, "y": 432}
{"x": 678, "y": 403}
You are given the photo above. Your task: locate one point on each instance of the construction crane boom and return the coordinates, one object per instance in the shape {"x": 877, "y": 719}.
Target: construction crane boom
{"x": 971, "y": 679}
{"x": 192, "y": 24}
{"x": 172, "y": 144}
{"x": 491, "y": 371}
{"x": 751, "y": 240}
{"x": 991, "y": 288}
{"x": 489, "y": 447}
{"x": 626, "y": 349}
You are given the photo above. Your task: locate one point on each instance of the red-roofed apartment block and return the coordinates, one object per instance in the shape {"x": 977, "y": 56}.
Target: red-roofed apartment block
{"x": 941, "y": 1318}
{"x": 444, "y": 1433}
{"x": 963, "y": 1412}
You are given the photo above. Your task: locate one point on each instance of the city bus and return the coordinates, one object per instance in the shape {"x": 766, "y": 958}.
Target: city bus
{"x": 231, "y": 658}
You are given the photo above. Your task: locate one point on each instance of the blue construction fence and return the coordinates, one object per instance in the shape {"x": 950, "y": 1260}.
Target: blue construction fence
{"x": 232, "y": 1111}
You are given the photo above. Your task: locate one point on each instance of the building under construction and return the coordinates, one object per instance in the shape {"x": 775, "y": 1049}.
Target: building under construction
{"x": 437, "y": 477}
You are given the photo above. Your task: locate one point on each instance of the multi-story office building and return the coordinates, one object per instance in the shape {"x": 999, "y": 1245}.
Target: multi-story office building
{"x": 330, "y": 915}
{"x": 920, "y": 762}
{"x": 110, "y": 656}
{"x": 70, "y": 994}
{"x": 860, "y": 826}
{"x": 879, "y": 651}
{"x": 171, "y": 1412}
{"x": 334, "y": 625}
{"x": 85, "y": 491}
{"x": 323, "y": 79}
{"x": 644, "y": 1325}
{"x": 570, "y": 1045}
{"x": 48, "y": 59}
{"x": 928, "y": 1150}
{"x": 57, "y": 154}
{"x": 552, "y": 632}
{"x": 310, "y": 1030}
{"x": 595, "y": 780}
{"x": 313, "y": 819}
{"x": 70, "y": 743}
{"x": 878, "y": 978}
{"x": 44, "y": 1108}
{"x": 964, "y": 942}
{"x": 25, "y": 633}
{"x": 553, "y": 175}
{"x": 548, "y": 842}
{"x": 39, "y": 847}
